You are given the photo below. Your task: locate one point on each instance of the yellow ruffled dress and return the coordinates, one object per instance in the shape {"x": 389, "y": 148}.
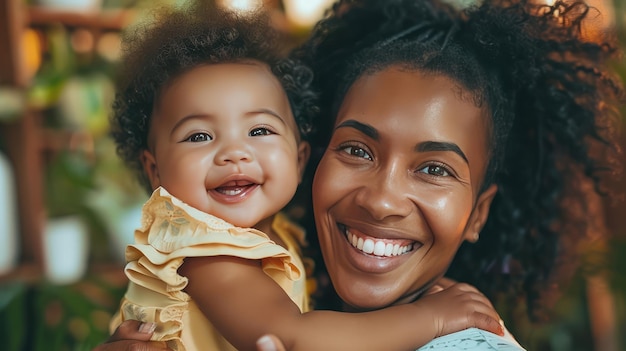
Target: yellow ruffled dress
{"x": 171, "y": 231}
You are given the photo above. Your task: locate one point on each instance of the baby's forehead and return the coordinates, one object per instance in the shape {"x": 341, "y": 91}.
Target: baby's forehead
{"x": 249, "y": 84}
{"x": 259, "y": 78}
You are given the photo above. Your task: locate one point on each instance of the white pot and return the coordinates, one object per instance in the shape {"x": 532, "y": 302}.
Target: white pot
{"x": 8, "y": 217}
{"x": 66, "y": 249}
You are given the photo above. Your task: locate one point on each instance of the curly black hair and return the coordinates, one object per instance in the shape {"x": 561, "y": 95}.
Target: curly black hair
{"x": 178, "y": 39}
{"x": 553, "y": 105}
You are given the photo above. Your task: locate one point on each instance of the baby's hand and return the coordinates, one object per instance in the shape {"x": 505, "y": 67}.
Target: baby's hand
{"x": 460, "y": 306}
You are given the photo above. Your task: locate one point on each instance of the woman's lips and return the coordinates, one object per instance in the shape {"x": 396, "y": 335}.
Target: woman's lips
{"x": 376, "y": 246}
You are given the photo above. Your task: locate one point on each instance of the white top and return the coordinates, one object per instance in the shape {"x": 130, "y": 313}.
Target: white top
{"x": 473, "y": 339}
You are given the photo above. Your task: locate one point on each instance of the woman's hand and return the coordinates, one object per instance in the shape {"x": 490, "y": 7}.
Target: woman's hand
{"x": 269, "y": 342}
{"x": 133, "y": 335}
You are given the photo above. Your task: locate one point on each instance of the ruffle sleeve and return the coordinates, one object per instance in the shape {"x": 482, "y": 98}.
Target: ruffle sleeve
{"x": 172, "y": 230}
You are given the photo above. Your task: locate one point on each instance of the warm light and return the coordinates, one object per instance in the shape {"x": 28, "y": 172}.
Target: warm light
{"x": 32, "y": 44}
{"x": 109, "y": 46}
{"x": 242, "y": 5}
{"x": 82, "y": 41}
{"x": 306, "y": 12}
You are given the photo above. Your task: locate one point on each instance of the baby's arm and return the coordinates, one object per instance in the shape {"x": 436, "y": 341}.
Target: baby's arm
{"x": 244, "y": 303}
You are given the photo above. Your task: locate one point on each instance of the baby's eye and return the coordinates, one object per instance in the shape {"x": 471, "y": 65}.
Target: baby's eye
{"x": 260, "y": 131}
{"x": 199, "y": 137}
{"x": 435, "y": 170}
{"x": 357, "y": 152}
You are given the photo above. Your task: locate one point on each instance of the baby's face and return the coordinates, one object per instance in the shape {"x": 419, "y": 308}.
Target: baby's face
{"x": 223, "y": 140}
{"x": 396, "y": 192}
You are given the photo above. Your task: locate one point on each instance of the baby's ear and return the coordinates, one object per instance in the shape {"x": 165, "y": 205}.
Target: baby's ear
{"x": 150, "y": 167}
{"x": 304, "y": 152}
{"x": 479, "y": 214}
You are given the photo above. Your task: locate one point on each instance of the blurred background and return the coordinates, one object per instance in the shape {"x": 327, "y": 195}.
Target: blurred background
{"x": 68, "y": 206}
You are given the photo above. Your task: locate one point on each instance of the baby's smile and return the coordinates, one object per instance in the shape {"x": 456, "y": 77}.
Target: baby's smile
{"x": 235, "y": 187}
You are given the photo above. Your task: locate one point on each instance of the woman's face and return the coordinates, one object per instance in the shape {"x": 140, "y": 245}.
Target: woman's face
{"x": 396, "y": 192}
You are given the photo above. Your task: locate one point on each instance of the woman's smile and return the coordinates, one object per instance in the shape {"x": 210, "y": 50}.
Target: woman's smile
{"x": 374, "y": 246}
{"x": 374, "y": 255}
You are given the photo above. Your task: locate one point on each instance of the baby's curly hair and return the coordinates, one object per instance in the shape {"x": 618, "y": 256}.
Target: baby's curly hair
{"x": 551, "y": 97}
{"x": 180, "y": 39}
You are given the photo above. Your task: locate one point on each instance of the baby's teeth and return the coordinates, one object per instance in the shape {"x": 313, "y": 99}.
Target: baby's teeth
{"x": 231, "y": 192}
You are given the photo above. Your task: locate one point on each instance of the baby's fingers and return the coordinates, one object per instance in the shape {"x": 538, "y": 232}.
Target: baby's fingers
{"x": 488, "y": 323}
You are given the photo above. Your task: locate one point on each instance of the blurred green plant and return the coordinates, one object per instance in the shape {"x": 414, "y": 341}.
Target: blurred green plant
{"x": 45, "y": 317}
{"x": 69, "y": 178}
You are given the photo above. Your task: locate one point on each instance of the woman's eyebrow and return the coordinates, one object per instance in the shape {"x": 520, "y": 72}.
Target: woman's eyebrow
{"x": 421, "y": 147}
{"x": 440, "y": 146}
{"x": 361, "y": 127}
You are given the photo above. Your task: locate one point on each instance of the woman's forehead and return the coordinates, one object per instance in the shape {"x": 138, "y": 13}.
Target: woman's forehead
{"x": 394, "y": 93}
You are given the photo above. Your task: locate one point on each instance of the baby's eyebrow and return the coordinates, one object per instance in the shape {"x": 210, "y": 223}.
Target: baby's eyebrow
{"x": 267, "y": 112}
{"x": 361, "y": 127}
{"x": 426, "y": 146}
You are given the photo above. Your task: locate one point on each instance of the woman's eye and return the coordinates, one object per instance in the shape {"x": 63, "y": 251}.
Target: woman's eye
{"x": 357, "y": 152}
{"x": 199, "y": 137}
{"x": 260, "y": 131}
{"x": 435, "y": 170}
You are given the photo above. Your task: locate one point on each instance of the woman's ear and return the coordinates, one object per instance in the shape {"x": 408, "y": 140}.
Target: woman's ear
{"x": 304, "y": 152}
{"x": 479, "y": 214}
{"x": 150, "y": 167}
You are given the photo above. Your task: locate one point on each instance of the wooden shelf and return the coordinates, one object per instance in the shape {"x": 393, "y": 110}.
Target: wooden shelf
{"x": 12, "y": 70}
{"x": 24, "y": 272}
{"x": 26, "y": 139}
{"x": 112, "y": 20}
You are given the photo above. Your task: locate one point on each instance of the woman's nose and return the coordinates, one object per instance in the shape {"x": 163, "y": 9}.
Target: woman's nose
{"x": 385, "y": 196}
{"x": 233, "y": 152}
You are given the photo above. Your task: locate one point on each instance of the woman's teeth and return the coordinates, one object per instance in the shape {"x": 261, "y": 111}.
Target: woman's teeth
{"x": 377, "y": 247}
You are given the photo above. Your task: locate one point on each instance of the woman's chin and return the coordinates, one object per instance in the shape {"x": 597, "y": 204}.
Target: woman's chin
{"x": 359, "y": 300}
